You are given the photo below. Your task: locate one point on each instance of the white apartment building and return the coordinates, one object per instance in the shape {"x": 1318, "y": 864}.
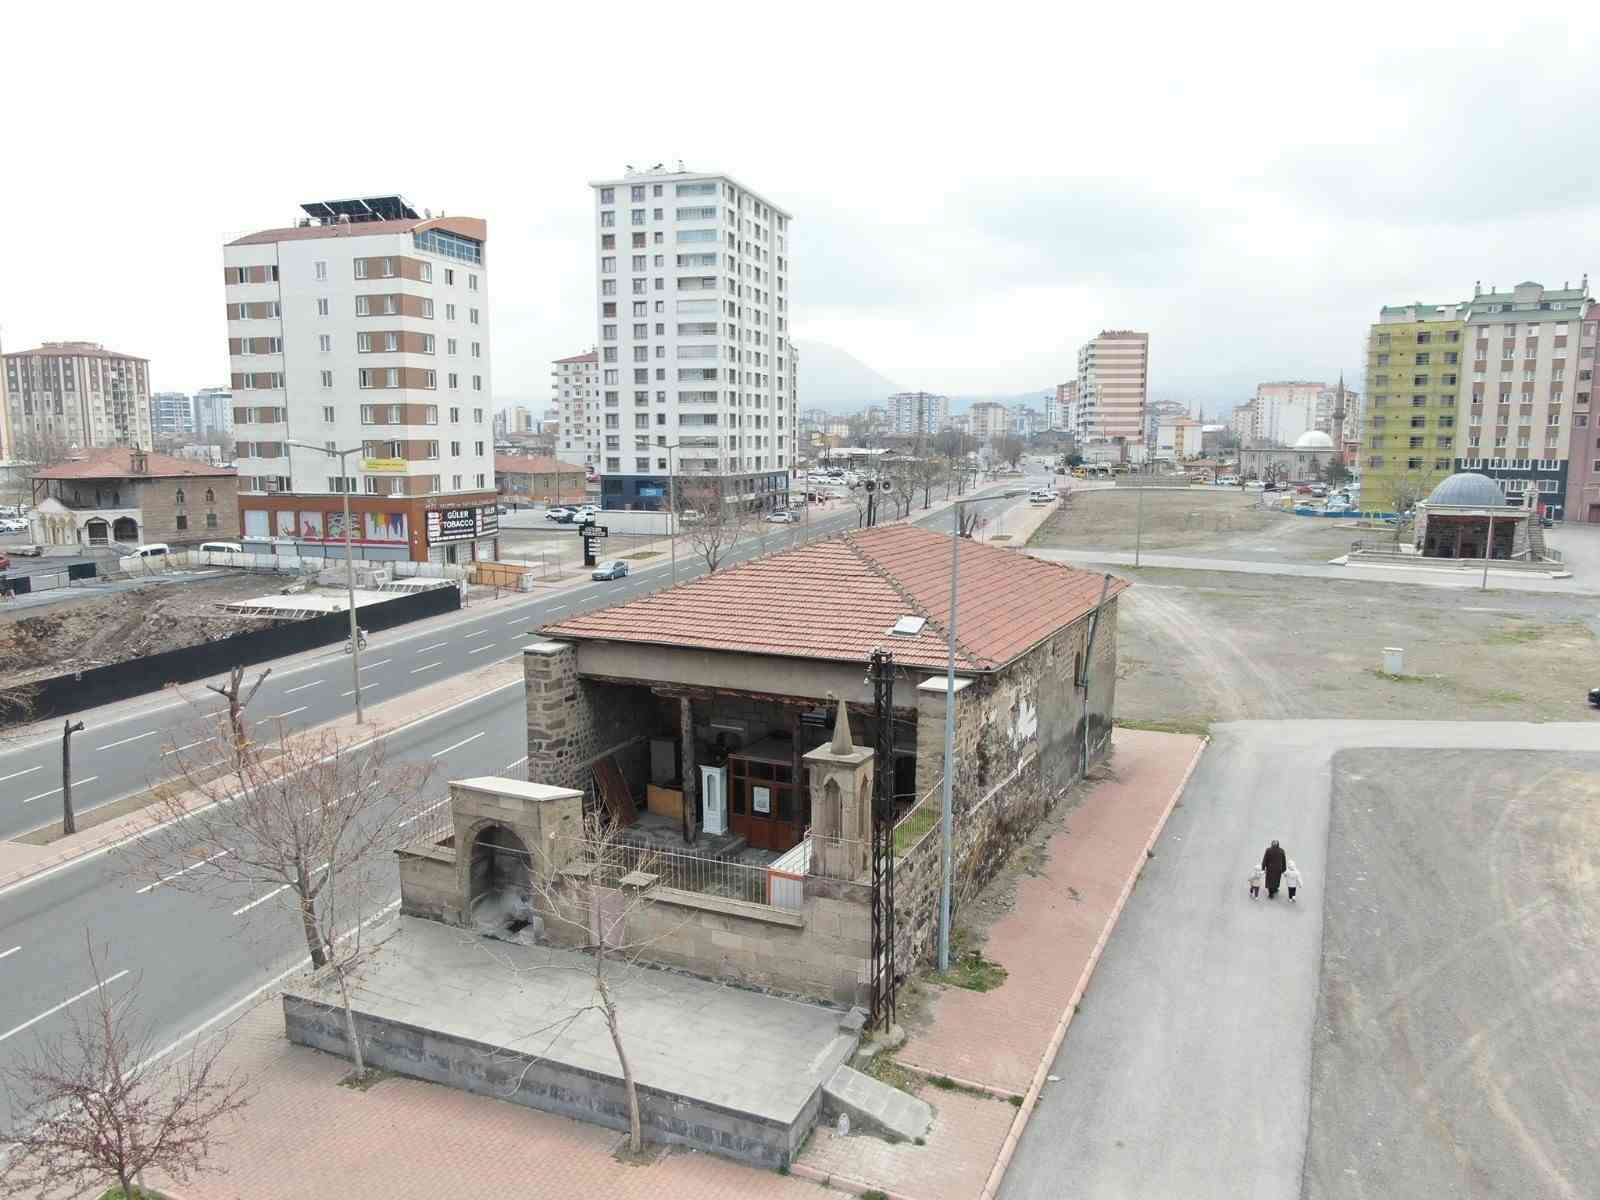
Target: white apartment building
{"x": 77, "y": 394}
{"x": 1524, "y": 388}
{"x": 213, "y": 411}
{"x": 575, "y": 384}
{"x": 171, "y": 414}
{"x": 1113, "y": 386}
{"x": 364, "y": 325}
{"x": 1178, "y": 437}
{"x": 1285, "y": 409}
{"x": 918, "y": 412}
{"x": 696, "y": 370}
{"x": 989, "y": 420}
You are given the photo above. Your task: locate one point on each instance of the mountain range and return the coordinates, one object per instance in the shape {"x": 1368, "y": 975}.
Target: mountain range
{"x": 838, "y": 381}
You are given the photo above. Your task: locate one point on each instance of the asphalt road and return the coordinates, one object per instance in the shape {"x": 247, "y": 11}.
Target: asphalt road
{"x": 1187, "y": 1071}
{"x": 195, "y": 959}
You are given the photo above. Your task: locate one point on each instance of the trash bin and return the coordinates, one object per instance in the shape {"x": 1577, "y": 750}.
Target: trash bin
{"x": 1394, "y": 660}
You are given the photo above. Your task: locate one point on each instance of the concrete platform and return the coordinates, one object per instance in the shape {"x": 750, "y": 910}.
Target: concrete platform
{"x": 731, "y": 1072}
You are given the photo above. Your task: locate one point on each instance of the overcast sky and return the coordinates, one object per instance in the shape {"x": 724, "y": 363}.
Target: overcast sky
{"x": 975, "y": 190}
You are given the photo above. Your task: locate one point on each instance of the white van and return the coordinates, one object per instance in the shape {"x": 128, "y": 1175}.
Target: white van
{"x": 153, "y": 550}
{"x": 221, "y": 548}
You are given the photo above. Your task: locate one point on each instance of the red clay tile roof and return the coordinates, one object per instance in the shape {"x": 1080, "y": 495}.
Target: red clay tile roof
{"x": 592, "y": 356}
{"x": 837, "y": 599}
{"x": 533, "y": 464}
{"x": 116, "y": 462}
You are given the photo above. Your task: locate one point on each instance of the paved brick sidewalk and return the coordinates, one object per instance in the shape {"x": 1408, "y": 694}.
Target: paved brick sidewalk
{"x": 1048, "y": 943}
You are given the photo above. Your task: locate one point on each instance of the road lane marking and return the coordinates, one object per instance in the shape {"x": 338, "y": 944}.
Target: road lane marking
{"x": 301, "y": 688}
{"x": 559, "y": 608}
{"x": 435, "y": 646}
{"x": 379, "y": 663}
{"x": 19, "y": 774}
{"x": 426, "y": 666}
{"x": 10, "y": 952}
{"x": 365, "y": 688}
{"x": 53, "y": 791}
{"x": 138, "y": 737}
{"x": 50, "y": 1012}
{"x": 520, "y": 621}
{"x": 166, "y": 878}
{"x": 282, "y": 715}
{"x": 480, "y": 649}
{"x": 282, "y": 887}
{"x": 459, "y": 744}
{"x": 190, "y": 746}
{"x": 479, "y": 633}
{"x": 425, "y": 812}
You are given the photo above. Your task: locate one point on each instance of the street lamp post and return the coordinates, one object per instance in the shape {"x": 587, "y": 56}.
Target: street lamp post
{"x": 672, "y": 509}
{"x": 946, "y": 803}
{"x": 349, "y": 565}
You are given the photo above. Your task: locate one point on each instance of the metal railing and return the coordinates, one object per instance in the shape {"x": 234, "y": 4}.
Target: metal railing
{"x": 693, "y": 873}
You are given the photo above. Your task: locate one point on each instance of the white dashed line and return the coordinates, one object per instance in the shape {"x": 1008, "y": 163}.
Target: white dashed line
{"x": 487, "y": 646}
{"x": 19, "y": 774}
{"x": 166, "y": 878}
{"x": 201, "y": 742}
{"x": 384, "y": 661}
{"x": 10, "y": 952}
{"x": 138, "y": 737}
{"x": 435, "y": 646}
{"x": 458, "y": 745}
{"x": 280, "y": 888}
{"x": 314, "y": 682}
{"x": 282, "y": 715}
{"x": 426, "y": 667}
{"x": 480, "y": 633}
{"x": 53, "y": 791}
{"x": 50, "y": 1012}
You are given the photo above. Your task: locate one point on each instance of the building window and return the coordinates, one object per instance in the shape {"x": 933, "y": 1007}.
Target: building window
{"x": 361, "y": 268}
{"x": 321, "y": 269}
{"x": 363, "y": 306}
{"x": 322, "y": 306}
{"x": 472, "y": 316}
{"x": 455, "y": 382}
{"x": 477, "y": 383}
{"x": 327, "y": 379}
{"x": 181, "y": 521}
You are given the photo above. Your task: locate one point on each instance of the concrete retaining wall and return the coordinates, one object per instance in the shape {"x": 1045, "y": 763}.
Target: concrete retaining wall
{"x": 540, "y": 1083}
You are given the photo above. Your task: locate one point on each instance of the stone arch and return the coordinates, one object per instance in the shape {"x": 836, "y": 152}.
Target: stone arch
{"x": 499, "y": 876}
{"x": 96, "y": 530}
{"x": 211, "y": 496}
{"x": 178, "y": 497}
{"x": 126, "y": 529}
{"x": 863, "y": 813}
{"x": 833, "y": 810}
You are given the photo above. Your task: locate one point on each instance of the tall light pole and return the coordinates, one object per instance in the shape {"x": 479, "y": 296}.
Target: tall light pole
{"x": 672, "y": 510}
{"x": 946, "y": 803}
{"x": 349, "y": 564}
{"x": 1138, "y": 528}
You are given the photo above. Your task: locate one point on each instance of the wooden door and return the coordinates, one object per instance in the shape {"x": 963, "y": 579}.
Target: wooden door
{"x": 764, "y": 804}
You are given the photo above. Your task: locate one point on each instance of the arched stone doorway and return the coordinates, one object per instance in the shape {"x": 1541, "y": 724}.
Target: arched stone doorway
{"x": 501, "y": 896}
{"x": 126, "y": 530}
{"x": 97, "y": 532}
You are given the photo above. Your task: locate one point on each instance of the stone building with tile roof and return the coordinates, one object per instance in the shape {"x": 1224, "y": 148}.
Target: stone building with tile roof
{"x": 125, "y": 496}
{"x": 704, "y": 700}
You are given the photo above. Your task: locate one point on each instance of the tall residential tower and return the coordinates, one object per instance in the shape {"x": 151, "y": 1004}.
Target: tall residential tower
{"x": 364, "y": 325}
{"x": 696, "y": 372}
{"x": 1113, "y": 386}
{"x": 66, "y": 394}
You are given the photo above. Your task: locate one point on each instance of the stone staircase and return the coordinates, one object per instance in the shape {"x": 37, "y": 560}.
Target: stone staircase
{"x": 875, "y": 1107}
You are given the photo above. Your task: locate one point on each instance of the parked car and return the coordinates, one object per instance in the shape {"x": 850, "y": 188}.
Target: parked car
{"x": 28, "y": 551}
{"x": 1041, "y": 496}
{"x": 221, "y": 547}
{"x": 560, "y": 514}
{"x": 4, "y": 562}
{"x": 1594, "y": 697}
{"x": 1319, "y": 489}
{"x": 610, "y": 570}
{"x": 585, "y": 512}
{"x": 1227, "y": 481}
{"x": 782, "y": 518}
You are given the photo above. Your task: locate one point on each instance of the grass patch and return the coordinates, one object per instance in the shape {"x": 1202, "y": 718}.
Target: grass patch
{"x": 1195, "y": 726}
{"x": 1388, "y": 678}
{"x": 875, "y": 1194}
{"x": 638, "y": 554}
{"x": 1514, "y": 637}
{"x": 117, "y": 1193}
{"x": 885, "y": 1069}
{"x": 971, "y": 970}
{"x": 922, "y": 819}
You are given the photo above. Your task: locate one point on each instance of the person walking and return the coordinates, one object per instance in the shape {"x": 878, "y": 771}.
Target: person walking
{"x": 1291, "y": 880}
{"x": 1274, "y": 862}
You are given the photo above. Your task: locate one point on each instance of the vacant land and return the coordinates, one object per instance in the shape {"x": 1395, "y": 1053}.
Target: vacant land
{"x": 1457, "y": 1043}
{"x": 1202, "y": 646}
{"x": 93, "y": 631}
{"x": 1207, "y": 521}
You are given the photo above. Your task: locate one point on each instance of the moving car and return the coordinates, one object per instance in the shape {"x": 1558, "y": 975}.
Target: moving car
{"x": 559, "y": 514}
{"x": 610, "y": 570}
{"x": 587, "y": 512}
{"x": 782, "y": 518}
{"x": 224, "y": 548}
{"x": 28, "y": 551}
{"x": 1041, "y": 496}
{"x": 1594, "y": 695}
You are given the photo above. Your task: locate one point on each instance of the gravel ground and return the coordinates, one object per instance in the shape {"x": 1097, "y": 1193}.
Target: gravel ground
{"x": 1198, "y": 646}
{"x": 1211, "y": 522}
{"x": 1457, "y": 1042}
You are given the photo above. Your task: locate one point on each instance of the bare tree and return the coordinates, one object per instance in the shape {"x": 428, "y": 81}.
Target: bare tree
{"x": 236, "y": 704}
{"x": 309, "y": 817}
{"x": 94, "y": 1104}
{"x": 43, "y": 446}
{"x": 18, "y": 706}
{"x": 929, "y": 473}
{"x": 1008, "y": 449}
{"x": 717, "y": 525}
{"x": 597, "y": 910}
{"x": 967, "y": 517}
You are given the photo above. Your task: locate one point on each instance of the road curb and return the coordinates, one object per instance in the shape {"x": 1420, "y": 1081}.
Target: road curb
{"x": 991, "y": 1189}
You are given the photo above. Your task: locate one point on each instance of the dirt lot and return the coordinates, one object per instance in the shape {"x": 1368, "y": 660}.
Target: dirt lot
{"x": 1208, "y": 521}
{"x": 41, "y": 642}
{"x": 1457, "y": 1042}
{"x": 1203, "y": 646}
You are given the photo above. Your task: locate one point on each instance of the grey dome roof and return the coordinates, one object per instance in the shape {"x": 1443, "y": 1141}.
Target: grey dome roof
{"x": 1313, "y": 439}
{"x": 1468, "y": 489}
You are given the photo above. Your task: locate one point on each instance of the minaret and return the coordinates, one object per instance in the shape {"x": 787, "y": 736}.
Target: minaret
{"x": 1338, "y": 414}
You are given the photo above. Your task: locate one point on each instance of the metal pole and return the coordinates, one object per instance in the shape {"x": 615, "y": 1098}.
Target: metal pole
{"x": 69, "y": 823}
{"x": 350, "y": 586}
{"x": 946, "y": 803}
{"x": 1488, "y": 549}
{"x": 1138, "y": 529}
{"x": 672, "y": 512}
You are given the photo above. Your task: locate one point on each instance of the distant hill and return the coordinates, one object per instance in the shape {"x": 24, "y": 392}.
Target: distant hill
{"x": 832, "y": 379}
{"x": 1034, "y": 399}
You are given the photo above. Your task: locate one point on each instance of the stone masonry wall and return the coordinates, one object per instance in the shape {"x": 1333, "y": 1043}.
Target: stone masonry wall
{"x": 572, "y": 719}
{"x": 1019, "y": 744}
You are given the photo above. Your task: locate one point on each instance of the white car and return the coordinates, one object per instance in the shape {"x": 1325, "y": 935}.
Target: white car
{"x": 782, "y": 518}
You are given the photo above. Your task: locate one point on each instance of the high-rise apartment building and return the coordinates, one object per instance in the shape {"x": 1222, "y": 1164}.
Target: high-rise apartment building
{"x": 77, "y": 394}
{"x": 1285, "y": 409}
{"x": 989, "y": 420}
{"x": 575, "y": 386}
{"x": 364, "y": 325}
{"x": 696, "y": 370}
{"x": 171, "y": 414}
{"x": 1583, "y": 459}
{"x": 1060, "y": 407}
{"x": 1408, "y": 436}
{"x": 918, "y": 413}
{"x": 1113, "y": 386}
{"x": 213, "y": 412}
{"x": 1515, "y": 412}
